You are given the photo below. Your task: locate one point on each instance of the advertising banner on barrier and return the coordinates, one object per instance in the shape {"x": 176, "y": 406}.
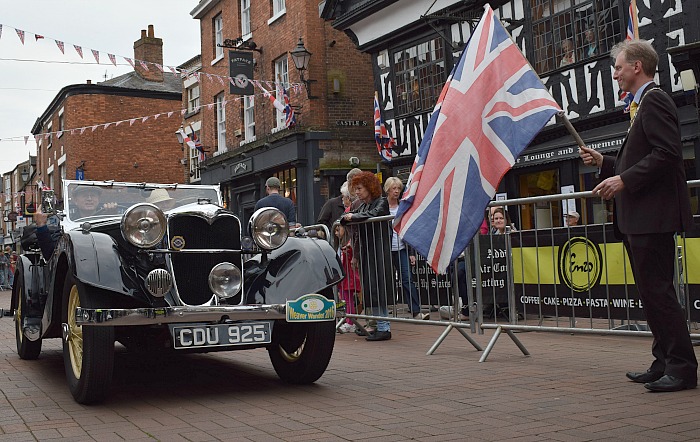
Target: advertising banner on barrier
{"x": 585, "y": 271}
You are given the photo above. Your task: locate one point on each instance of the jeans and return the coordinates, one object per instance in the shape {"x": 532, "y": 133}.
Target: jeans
{"x": 380, "y": 311}
{"x": 400, "y": 259}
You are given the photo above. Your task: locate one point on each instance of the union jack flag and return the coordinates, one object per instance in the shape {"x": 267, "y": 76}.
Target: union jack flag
{"x": 290, "y": 118}
{"x": 198, "y": 145}
{"x": 491, "y": 107}
{"x": 385, "y": 143}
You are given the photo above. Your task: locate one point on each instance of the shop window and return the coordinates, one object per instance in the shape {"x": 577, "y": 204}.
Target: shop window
{"x": 288, "y": 180}
{"x": 567, "y": 31}
{"x": 420, "y": 75}
{"x": 540, "y": 215}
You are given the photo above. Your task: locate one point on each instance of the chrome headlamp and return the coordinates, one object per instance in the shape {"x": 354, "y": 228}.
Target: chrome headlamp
{"x": 269, "y": 228}
{"x": 143, "y": 225}
{"x": 225, "y": 280}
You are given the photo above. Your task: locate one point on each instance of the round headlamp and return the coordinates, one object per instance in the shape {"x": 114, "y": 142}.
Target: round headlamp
{"x": 269, "y": 228}
{"x": 143, "y": 225}
{"x": 225, "y": 280}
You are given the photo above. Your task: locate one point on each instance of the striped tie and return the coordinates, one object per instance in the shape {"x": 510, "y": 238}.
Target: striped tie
{"x": 633, "y": 110}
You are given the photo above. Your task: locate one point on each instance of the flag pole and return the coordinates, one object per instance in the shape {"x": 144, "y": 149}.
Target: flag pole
{"x": 570, "y": 128}
{"x": 635, "y": 22}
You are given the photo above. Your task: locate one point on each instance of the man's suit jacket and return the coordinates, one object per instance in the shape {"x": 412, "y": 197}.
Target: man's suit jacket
{"x": 650, "y": 163}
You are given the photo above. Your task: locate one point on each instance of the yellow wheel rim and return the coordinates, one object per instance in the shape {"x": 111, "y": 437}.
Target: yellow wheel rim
{"x": 18, "y": 320}
{"x": 295, "y": 355}
{"x": 75, "y": 333}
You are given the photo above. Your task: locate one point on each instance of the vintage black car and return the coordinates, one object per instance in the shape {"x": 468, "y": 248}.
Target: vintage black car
{"x": 167, "y": 268}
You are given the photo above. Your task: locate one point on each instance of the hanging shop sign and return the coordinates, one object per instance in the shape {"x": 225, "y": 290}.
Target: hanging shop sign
{"x": 241, "y": 72}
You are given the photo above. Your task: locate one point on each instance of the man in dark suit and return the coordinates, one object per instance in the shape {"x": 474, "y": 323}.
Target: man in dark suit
{"x": 648, "y": 184}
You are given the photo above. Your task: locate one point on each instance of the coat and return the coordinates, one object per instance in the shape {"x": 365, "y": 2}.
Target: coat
{"x": 373, "y": 250}
{"x": 650, "y": 164}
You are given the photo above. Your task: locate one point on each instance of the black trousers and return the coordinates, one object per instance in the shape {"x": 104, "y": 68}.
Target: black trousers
{"x": 652, "y": 257}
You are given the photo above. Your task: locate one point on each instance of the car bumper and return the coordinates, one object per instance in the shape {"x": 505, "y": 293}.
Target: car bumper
{"x": 181, "y": 314}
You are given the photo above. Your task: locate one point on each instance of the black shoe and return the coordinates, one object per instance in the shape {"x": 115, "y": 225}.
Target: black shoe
{"x": 644, "y": 377}
{"x": 379, "y": 336}
{"x": 670, "y": 383}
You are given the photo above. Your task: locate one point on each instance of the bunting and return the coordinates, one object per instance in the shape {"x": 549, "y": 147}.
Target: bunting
{"x": 112, "y": 58}
{"x": 20, "y": 34}
{"x": 96, "y": 54}
{"x": 79, "y": 50}
{"x": 61, "y": 46}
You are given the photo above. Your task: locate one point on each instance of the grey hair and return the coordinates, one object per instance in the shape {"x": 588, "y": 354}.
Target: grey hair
{"x": 638, "y": 50}
{"x": 352, "y": 173}
{"x": 344, "y": 190}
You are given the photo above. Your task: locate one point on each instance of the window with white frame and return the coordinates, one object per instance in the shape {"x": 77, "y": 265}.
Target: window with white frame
{"x": 249, "y": 117}
{"x": 245, "y": 19}
{"x": 193, "y": 98}
{"x": 194, "y": 160}
{"x": 281, "y": 80}
{"x": 49, "y": 129}
{"x": 220, "y": 123}
{"x": 218, "y": 36}
{"x": 62, "y": 171}
{"x": 568, "y": 31}
{"x": 278, "y": 7}
{"x": 61, "y": 123}
{"x": 49, "y": 181}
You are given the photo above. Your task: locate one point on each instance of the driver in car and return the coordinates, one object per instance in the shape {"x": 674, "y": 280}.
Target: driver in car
{"x": 86, "y": 202}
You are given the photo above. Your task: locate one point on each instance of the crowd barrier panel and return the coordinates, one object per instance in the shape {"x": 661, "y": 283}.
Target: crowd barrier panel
{"x": 548, "y": 279}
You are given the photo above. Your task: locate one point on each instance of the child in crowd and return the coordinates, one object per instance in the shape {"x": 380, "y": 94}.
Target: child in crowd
{"x": 349, "y": 288}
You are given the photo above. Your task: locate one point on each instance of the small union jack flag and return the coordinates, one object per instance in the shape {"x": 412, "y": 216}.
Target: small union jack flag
{"x": 198, "y": 145}
{"x": 632, "y": 32}
{"x": 491, "y": 107}
{"x": 385, "y": 143}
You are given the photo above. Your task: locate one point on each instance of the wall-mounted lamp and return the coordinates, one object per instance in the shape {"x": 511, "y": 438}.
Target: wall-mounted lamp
{"x": 300, "y": 57}
{"x": 688, "y": 81}
{"x": 25, "y": 175}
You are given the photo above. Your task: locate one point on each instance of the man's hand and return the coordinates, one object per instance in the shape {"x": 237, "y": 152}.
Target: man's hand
{"x": 40, "y": 217}
{"x": 590, "y": 157}
{"x": 609, "y": 187}
{"x": 412, "y": 259}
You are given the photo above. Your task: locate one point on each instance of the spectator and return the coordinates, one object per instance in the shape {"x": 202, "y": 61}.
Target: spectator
{"x": 9, "y": 274}
{"x": 274, "y": 199}
{"x": 400, "y": 257}
{"x": 568, "y": 57}
{"x": 4, "y": 268}
{"x": 349, "y": 288}
{"x": 591, "y": 37}
{"x": 373, "y": 249}
{"x": 572, "y": 218}
{"x": 332, "y": 209}
{"x": 500, "y": 222}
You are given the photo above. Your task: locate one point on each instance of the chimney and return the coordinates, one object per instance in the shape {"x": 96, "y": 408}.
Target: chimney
{"x": 149, "y": 49}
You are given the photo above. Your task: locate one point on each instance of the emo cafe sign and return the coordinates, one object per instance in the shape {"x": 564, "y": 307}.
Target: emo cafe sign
{"x": 564, "y": 153}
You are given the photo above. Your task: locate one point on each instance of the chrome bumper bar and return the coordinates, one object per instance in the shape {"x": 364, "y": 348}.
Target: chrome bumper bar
{"x": 171, "y": 315}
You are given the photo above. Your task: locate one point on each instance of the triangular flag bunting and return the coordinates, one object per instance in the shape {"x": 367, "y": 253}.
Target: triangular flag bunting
{"x": 79, "y": 50}
{"x": 26, "y": 139}
{"x": 155, "y": 117}
{"x": 160, "y": 67}
{"x": 38, "y": 37}
{"x": 61, "y": 46}
{"x": 131, "y": 121}
{"x": 143, "y": 120}
{"x": 112, "y": 58}
{"x": 20, "y": 34}
{"x": 96, "y": 54}
{"x": 170, "y": 114}
{"x": 130, "y": 61}
{"x": 143, "y": 65}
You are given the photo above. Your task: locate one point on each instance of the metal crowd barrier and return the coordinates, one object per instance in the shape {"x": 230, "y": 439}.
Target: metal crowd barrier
{"x": 549, "y": 279}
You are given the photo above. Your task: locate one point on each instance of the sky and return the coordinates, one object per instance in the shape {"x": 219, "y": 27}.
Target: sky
{"x": 31, "y": 75}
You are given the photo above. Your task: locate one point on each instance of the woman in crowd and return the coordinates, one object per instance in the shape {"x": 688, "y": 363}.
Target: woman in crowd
{"x": 372, "y": 251}
{"x": 499, "y": 221}
{"x": 399, "y": 254}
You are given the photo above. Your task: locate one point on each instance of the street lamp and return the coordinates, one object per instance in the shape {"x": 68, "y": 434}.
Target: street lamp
{"x": 25, "y": 175}
{"x": 180, "y": 138}
{"x": 300, "y": 57}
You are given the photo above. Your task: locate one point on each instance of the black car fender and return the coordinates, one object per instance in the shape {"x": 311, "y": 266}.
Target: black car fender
{"x": 94, "y": 259}
{"x": 32, "y": 277}
{"x": 299, "y": 267}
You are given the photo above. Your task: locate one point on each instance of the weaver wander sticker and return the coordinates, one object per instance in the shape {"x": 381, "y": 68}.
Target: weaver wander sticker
{"x": 310, "y": 308}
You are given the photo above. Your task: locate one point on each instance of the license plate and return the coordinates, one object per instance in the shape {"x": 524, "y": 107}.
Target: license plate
{"x": 221, "y": 335}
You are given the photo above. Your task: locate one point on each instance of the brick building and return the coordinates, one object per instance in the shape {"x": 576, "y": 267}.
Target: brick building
{"x": 73, "y": 142}
{"x": 246, "y": 137}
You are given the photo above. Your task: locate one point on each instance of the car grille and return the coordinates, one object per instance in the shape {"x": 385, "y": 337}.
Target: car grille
{"x": 192, "y": 270}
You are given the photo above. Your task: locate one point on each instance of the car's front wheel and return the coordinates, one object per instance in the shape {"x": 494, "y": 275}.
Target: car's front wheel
{"x": 26, "y": 349}
{"x": 300, "y": 352}
{"x": 88, "y": 351}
